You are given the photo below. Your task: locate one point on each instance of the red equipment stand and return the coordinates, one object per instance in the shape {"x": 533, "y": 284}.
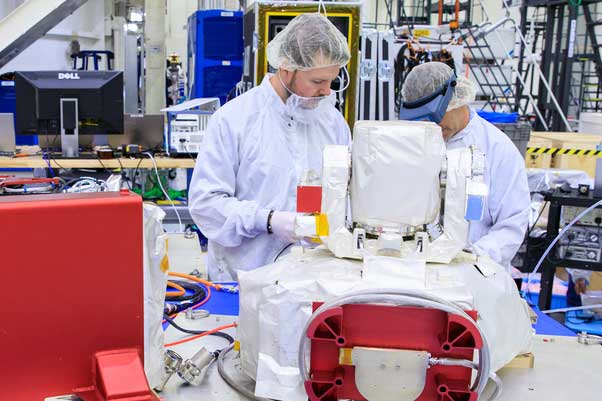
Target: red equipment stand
{"x": 441, "y": 334}
{"x": 72, "y": 268}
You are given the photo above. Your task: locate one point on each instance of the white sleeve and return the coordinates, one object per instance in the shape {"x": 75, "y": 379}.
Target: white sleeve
{"x": 212, "y": 201}
{"x": 508, "y": 201}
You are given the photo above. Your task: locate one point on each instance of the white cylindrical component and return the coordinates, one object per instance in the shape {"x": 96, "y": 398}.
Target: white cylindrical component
{"x": 396, "y": 166}
{"x": 119, "y": 33}
{"x": 154, "y": 46}
{"x": 335, "y": 179}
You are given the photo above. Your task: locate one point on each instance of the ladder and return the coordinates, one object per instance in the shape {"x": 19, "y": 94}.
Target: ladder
{"x": 491, "y": 74}
{"x": 521, "y": 95}
{"x": 591, "y": 82}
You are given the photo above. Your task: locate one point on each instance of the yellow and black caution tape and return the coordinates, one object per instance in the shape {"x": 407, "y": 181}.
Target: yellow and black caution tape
{"x": 562, "y": 151}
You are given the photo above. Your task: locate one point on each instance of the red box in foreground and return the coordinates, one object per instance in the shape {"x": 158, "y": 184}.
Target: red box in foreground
{"x": 72, "y": 274}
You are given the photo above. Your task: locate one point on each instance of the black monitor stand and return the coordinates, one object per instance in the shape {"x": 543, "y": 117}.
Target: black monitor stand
{"x": 69, "y": 127}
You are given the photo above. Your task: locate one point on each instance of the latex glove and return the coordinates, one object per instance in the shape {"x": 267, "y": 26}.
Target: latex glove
{"x": 580, "y": 286}
{"x": 283, "y": 225}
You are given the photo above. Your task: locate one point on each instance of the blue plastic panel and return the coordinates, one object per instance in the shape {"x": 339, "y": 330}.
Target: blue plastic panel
{"x": 474, "y": 208}
{"x": 215, "y": 53}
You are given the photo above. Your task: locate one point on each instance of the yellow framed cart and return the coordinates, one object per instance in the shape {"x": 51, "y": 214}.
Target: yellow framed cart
{"x": 264, "y": 19}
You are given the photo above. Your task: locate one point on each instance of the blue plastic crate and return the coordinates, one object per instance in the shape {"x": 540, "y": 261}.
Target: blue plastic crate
{"x": 215, "y": 53}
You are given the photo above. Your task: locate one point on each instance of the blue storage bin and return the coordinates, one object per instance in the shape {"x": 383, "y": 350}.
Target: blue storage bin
{"x": 215, "y": 53}
{"x": 221, "y": 37}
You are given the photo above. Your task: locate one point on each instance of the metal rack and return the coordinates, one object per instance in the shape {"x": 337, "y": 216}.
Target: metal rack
{"x": 557, "y": 201}
{"x": 429, "y": 12}
{"x": 570, "y": 59}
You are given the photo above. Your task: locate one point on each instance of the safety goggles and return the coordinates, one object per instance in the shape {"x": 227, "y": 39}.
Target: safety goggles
{"x": 432, "y": 107}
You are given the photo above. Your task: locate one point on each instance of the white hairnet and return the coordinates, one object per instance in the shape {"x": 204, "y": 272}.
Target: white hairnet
{"x": 308, "y": 41}
{"x": 427, "y": 78}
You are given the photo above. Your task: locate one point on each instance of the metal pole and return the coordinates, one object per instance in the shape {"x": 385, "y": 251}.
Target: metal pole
{"x": 519, "y": 87}
{"x": 569, "y": 57}
{"x": 154, "y": 46}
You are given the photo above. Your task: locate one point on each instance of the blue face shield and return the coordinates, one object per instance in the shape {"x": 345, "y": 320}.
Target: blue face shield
{"x": 431, "y": 107}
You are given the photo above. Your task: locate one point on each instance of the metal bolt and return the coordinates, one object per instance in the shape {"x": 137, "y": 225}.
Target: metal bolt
{"x": 172, "y": 361}
{"x": 193, "y": 369}
{"x": 196, "y": 314}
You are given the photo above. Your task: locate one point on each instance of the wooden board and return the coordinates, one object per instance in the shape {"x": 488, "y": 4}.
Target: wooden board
{"x": 560, "y": 138}
{"x": 595, "y": 281}
{"x": 525, "y": 361}
{"x": 570, "y": 140}
{"x": 575, "y": 162}
{"x": 538, "y": 160}
{"x": 36, "y": 161}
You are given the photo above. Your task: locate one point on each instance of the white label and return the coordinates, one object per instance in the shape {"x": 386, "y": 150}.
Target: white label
{"x": 572, "y": 37}
{"x": 227, "y": 14}
{"x": 68, "y": 75}
{"x": 226, "y": 62}
{"x": 7, "y": 83}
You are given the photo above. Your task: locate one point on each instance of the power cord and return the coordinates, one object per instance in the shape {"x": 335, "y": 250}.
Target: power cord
{"x": 188, "y": 331}
{"x": 173, "y": 205}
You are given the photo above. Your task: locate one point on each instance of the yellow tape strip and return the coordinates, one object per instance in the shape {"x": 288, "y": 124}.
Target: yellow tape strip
{"x": 557, "y": 151}
{"x": 345, "y": 356}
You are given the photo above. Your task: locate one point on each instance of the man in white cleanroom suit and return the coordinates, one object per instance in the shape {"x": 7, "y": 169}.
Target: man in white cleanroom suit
{"x": 260, "y": 146}
{"x": 506, "y": 216}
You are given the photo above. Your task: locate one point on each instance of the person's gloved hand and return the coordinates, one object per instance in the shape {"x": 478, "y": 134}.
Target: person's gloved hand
{"x": 580, "y": 286}
{"x": 283, "y": 225}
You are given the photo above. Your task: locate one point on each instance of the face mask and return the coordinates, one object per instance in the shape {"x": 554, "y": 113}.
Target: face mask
{"x": 295, "y": 101}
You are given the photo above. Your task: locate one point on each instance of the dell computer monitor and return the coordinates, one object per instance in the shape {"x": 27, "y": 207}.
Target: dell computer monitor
{"x": 69, "y": 104}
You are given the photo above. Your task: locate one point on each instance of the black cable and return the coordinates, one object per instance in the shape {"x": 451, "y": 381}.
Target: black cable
{"x": 198, "y": 292}
{"x": 49, "y": 155}
{"x": 136, "y": 172}
{"x": 528, "y": 235}
{"x": 194, "y": 332}
{"x": 537, "y": 219}
{"x": 123, "y": 174}
{"x": 282, "y": 251}
{"x": 102, "y": 164}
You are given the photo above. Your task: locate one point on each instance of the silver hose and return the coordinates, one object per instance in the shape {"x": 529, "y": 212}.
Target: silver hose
{"x": 498, "y": 386}
{"x": 399, "y": 298}
{"x": 231, "y": 382}
{"x": 453, "y": 362}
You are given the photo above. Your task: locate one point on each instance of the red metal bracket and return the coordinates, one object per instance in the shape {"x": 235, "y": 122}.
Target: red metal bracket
{"x": 118, "y": 375}
{"x": 382, "y": 326}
